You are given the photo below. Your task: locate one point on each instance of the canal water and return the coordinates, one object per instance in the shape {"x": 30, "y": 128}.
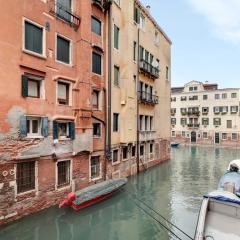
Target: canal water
{"x": 174, "y": 189}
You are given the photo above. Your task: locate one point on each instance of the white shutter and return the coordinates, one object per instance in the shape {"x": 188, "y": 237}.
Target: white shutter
{"x": 62, "y": 91}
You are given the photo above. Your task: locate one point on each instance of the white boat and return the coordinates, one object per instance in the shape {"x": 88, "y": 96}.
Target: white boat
{"x": 219, "y": 216}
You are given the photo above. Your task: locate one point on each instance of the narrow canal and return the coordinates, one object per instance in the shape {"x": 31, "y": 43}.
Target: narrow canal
{"x": 174, "y": 189}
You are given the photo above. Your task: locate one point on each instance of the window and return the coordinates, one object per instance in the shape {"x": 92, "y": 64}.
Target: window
{"x": 224, "y": 109}
{"x": 116, "y": 76}
{"x": 95, "y": 167}
{"x": 134, "y": 51}
{"x": 115, "y": 156}
{"x": 157, "y": 38}
{"x": 63, "y": 130}
{"x": 96, "y": 63}
{"x": 33, "y": 126}
{"x": 217, "y": 121}
{"x": 125, "y": 152}
{"x": 173, "y": 99}
{"x": 224, "y": 95}
{"x": 133, "y": 151}
{"x": 116, "y": 37}
{"x": 173, "y": 121}
{"x": 63, "y": 173}
{"x": 146, "y": 123}
{"x": 96, "y": 26}
{"x": 234, "y": 109}
{"x": 95, "y": 99}
{"x": 224, "y": 136}
{"x": 141, "y": 150}
{"x": 229, "y": 123}
{"x": 25, "y": 176}
{"x": 183, "y": 121}
{"x": 63, "y": 49}
{"x": 96, "y": 129}
{"x": 33, "y": 38}
{"x": 195, "y": 88}
{"x": 205, "y": 121}
{"x": 216, "y": 110}
{"x": 167, "y": 72}
{"x": 63, "y": 93}
{"x": 233, "y": 95}
{"x": 205, "y": 110}
{"x": 173, "y": 134}
{"x": 115, "y": 122}
{"x": 173, "y": 111}
{"x": 183, "y": 98}
{"x": 151, "y": 123}
{"x": 234, "y": 136}
{"x": 151, "y": 148}
{"x": 205, "y": 135}
{"x": 183, "y": 111}
{"x": 136, "y": 15}
{"x": 142, "y": 21}
{"x": 117, "y": 2}
{"x": 217, "y": 96}
{"x": 205, "y": 97}
{"x": 32, "y": 86}
{"x": 64, "y": 7}
{"x": 190, "y": 89}
{"x": 183, "y": 134}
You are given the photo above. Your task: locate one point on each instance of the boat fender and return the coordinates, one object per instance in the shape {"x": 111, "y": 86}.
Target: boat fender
{"x": 68, "y": 201}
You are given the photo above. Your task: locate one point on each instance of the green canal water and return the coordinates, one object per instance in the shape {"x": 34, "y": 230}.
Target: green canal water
{"x": 174, "y": 189}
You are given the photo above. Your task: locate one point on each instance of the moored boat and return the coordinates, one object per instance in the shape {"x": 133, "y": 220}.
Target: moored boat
{"x": 93, "y": 194}
{"x": 219, "y": 216}
{"x": 174, "y": 144}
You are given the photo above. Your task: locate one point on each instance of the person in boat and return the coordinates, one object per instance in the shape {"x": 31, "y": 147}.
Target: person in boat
{"x": 230, "y": 181}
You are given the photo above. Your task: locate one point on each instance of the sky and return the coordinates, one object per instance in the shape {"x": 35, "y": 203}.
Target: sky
{"x": 206, "y": 39}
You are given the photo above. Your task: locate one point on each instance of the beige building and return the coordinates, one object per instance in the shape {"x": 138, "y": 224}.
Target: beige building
{"x": 140, "y": 89}
{"x": 202, "y": 113}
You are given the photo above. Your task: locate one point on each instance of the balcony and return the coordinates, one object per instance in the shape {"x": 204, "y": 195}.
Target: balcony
{"x": 65, "y": 14}
{"x": 196, "y": 113}
{"x": 193, "y": 125}
{"x": 147, "y": 135}
{"x": 148, "y": 98}
{"x": 148, "y": 69}
{"x": 102, "y": 4}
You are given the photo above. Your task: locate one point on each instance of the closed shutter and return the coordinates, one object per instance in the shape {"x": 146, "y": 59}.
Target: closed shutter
{"x": 116, "y": 37}
{"x": 72, "y": 130}
{"x": 63, "y": 50}
{"x": 24, "y": 86}
{"x": 55, "y": 130}
{"x": 23, "y": 126}
{"x": 45, "y": 126}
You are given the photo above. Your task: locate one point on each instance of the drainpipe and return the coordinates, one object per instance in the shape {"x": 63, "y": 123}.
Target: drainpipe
{"x": 109, "y": 95}
{"x": 138, "y": 127}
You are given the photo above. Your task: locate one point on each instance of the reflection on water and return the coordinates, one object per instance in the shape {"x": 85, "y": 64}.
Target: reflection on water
{"x": 173, "y": 188}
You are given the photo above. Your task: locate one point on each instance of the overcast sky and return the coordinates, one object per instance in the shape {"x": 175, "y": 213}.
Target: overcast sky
{"x": 206, "y": 39}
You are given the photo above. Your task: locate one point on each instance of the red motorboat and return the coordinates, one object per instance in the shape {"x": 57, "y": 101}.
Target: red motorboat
{"x": 93, "y": 194}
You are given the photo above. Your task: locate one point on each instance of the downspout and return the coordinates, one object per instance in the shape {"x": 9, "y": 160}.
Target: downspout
{"x": 138, "y": 127}
{"x": 109, "y": 91}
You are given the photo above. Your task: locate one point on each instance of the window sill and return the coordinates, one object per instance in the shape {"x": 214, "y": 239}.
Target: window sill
{"x": 42, "y": 56}
{"x": 125, "y": 160}
{"x": 66, "y": 64}
{"x": 115, "y": 163}
{"x": 97, "y": 137}
{"x": 95, "y": 179}
{"x": 27, "y": 192}
{"x": 64, "y": 105}
{"x": 62, "y": 188}
{"x": 97, "y": 74}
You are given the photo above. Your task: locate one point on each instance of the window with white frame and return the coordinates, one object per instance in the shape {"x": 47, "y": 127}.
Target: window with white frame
{"x": 95, "y": 99}
{"x": 217, "y": 96}
{"x": 63, "y": 50}
{"x": 224, "y": 95}
{"x": 183, "y": 134}
{"x": 115, "y": 122}
{"x": 229, "y": 123}
{"x": 96, "y": 63}
{"x": 234, "y": 109}
{"x": 63, "y": 129}
{"x": 173, "y": 121}
{"x": 95, "y": 167}
{"x": 205, "y": 121}
{"x": 63, "y": 93}
{"x": 216, "y": 110}
{"x": 224, "y": 136}
{"x": 233, "y": 95}
{"x": 96, "y": 26}
{"x": 173, "y": 134}
{"x": 25, "y": 176}
{"x": 205, "y": 97}
{"x": 63, "y": 173}
{"x": 142, "y": 21}
{"x": 234, "y": 136}
{"x": 217, "y": 121}
{"x": 205, "y": 110}
{"x": 96, "y": 130}
{"x": 64, "y": 9}
{"x": 115, "y": 156}
{"x": 33, "y": 126}
{"x": 205, "y": 135}
{"x": 150, "y": 147}
{"x": 116, "y": 36}
{"x": 34, "y": 37}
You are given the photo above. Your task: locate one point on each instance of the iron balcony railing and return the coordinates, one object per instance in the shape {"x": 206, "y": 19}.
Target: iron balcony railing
{"x": 146, "y": 97}
{"x": 147, "y": 135}
{"x": 147, "y": 68}
{"x": 197, "y": 113}
{"x": 193, "y": 125}
{"x": 64, "y": 13}
{"x": 103, "y": 4}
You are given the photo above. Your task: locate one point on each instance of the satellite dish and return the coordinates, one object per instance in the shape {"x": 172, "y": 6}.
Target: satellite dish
{"x": 155, "y": 63}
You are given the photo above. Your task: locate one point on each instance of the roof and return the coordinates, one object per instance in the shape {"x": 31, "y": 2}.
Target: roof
{"x": 143, "y": 8}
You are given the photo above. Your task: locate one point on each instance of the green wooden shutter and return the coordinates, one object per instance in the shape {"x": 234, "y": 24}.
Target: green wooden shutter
{"x": 24, "y": 86}
{"x": 45, "y": 126}
{"x": 72, "y": 130}
{"x": 23, "y": 126}
{"x": 55, "y": 130}
{"x": 116, "y": 37}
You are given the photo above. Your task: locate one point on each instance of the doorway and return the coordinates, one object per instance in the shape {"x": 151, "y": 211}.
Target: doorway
{"x": 217, "y": 138}
{"x": 193, "y": 137}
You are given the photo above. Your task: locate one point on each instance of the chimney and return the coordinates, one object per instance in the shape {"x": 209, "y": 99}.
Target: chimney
{"x": 148, "y": 7}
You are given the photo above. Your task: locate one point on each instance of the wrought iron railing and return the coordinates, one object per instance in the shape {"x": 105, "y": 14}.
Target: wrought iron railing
{"x": 193, "y": 125}
{"x": 64, "y": 13}
{"x": 147, "y": 97}
{"x": 146, "y": 67}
